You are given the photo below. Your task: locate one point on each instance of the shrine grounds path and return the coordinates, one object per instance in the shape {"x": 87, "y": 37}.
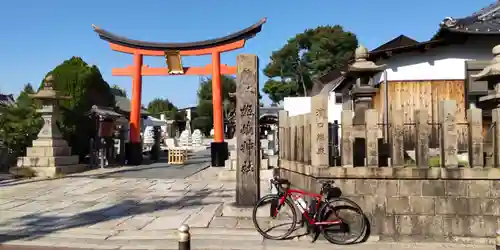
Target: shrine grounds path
{"x": 162, "y": 170}
{"x": 126, "y": 208}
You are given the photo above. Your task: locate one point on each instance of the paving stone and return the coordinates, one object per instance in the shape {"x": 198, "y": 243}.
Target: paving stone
{"x": 167, "y": 222}
{"x": 135, "y": 223}
{"x": 244, "y": 223}
{"x": 223, "y": 222}
{"x": 203, "y": 217}
{"x": 110, "y": 224}
{"x": 13, "y": 204}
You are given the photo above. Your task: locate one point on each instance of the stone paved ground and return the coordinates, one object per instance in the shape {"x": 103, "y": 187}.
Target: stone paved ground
{"x": 95, "y": 211}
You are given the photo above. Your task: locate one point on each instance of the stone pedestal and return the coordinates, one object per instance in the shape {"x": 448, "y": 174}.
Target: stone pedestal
{"x": 50, "y": 154}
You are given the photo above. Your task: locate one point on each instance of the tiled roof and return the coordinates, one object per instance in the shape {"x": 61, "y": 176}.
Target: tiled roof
{"x": 6, "y": 100}
{"x": 485, "y": 21}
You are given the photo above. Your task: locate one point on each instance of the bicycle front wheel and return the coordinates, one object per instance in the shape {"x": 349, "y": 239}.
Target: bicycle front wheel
{"x": 272, "y": 220}
{"x": 348, "y": 221}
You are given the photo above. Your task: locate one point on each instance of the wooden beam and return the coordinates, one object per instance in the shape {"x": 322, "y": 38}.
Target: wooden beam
{"x": 147, "y": 71}
{"x": 197, "y": 52}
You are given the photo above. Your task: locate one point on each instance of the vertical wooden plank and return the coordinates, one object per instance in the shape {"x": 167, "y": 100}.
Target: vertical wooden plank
{"x": 319, "y": 131}
{"x": 283, "y": 121}
{"x": 347, "y": 139}
{"x": 307, "y": 138}
{"x": 247, "y": 127}
{"x": 449, "y": 138}
{"x": 372, "y": 130}
{"x": 422, "y": 140}
{"x": 397, "y": 134}
{"x": 475, "y": 144}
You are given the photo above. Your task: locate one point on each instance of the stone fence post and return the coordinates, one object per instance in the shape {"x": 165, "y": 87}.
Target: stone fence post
{"x": 347, "y": 140}
{"x": 449, "y": 137}
{"x": 496, "y": 137}
{"x": 397, "y": 138}
{"x": 371, "y": 137}
{"x": 422, "y": 138}
{"x": 476, "y": 149}
{"x": 319, "y": 131}
{"x": 283, "y": 123}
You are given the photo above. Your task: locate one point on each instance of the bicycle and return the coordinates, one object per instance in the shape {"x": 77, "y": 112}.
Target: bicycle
{"x": 315, "y": 215}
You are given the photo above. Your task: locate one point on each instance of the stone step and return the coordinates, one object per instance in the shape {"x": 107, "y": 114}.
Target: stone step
{"x": 47, "y": 161}
{"x": 48, "y": 151}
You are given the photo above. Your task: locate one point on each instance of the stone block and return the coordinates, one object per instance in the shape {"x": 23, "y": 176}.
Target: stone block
{"x": 49, "y": 143}
{"x": 410, "y": 187}
{"x": 398, "y": 205}
{"x": 415, "y": 225}
{"x": 478, "y": 188}
{"x": 422, "y": 205}
{"x": 53, "y": 171}
{"x": 489, "y": 207}
{"x": 365, "y": 186}
{"x": 458, "y": 206}
{"x": 433, "y": 188}
{"x": 456, "y": 188}
{"x": 46, "y": 161}
{"x": 387, "y": 188}
{"x": 48, "y": 151}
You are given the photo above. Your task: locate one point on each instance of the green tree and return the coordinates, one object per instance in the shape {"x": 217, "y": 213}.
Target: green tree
{"x": 160, "y": 106}
{"x": 119, "y": 90}
{"x": 85, "y": 85}
{"x": 204, "y": 109}
{"x": 19, "y": 123}
{"x": 305, "y": 57}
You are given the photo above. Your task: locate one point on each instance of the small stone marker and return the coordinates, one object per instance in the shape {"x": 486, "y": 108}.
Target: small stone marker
{"x": 247, "y": 131}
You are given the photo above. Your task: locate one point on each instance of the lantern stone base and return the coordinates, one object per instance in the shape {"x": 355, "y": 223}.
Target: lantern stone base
{"x": 50, "y": 157}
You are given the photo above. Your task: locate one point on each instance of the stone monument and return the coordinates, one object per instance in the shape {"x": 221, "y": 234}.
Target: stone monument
{"x": 50, "y": 154}
{"x": 247, "y": 131}
{"x": 185, "y": 140}
{"x": 197, "y": 138}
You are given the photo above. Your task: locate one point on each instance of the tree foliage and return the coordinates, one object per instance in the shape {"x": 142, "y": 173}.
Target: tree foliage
{"x": 19, "y": 123}
{"x": 119, "y": 90}
{"x": 85, "y": 85}
{"x": 160, "y": 106}
{"x": 204, "y": 109}
{"x": 305, "y": 57}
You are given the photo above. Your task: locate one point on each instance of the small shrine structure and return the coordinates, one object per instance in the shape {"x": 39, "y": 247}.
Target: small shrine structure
{"x": 50, "y": 154}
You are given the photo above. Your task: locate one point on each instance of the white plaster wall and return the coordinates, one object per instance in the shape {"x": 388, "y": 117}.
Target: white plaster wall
{"x": 302, "y": 105}
{"x": 442, "y": 63}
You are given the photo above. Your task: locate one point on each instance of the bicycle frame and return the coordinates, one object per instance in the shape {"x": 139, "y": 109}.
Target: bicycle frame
{"x": 292, "y": 193}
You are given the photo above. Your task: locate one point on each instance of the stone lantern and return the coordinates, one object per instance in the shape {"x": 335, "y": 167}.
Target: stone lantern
{"x": 363, "y": 90}
{"x": 50, "y": 154}
{"x": 491, "y": 74}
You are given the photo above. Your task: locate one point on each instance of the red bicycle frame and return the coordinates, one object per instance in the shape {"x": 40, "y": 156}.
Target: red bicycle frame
{"x": 318, "y": 197}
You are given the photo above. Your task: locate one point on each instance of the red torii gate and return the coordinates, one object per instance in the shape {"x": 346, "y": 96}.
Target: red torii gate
{"x": 173, "y": 53}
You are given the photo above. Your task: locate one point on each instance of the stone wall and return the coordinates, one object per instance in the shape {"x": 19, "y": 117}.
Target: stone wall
{"x": 436, "y": 204}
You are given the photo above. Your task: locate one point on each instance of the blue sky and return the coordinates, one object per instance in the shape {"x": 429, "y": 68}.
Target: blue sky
{"x": 38, "y": 35}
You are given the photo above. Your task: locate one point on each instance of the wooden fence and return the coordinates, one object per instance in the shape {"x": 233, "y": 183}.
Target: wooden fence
{"x": 311, "y": 140}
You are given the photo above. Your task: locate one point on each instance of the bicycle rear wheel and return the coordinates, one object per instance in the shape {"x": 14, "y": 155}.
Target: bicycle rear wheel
{"x": 270, "y": 218}
{"x": 351, "y": 226}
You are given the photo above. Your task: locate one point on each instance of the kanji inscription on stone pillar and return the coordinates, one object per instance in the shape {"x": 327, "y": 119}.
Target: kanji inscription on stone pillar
{"x": 247, "y": 130}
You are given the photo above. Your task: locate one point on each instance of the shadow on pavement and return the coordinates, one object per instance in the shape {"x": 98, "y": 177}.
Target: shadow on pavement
{"x": 37, "y": 225}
